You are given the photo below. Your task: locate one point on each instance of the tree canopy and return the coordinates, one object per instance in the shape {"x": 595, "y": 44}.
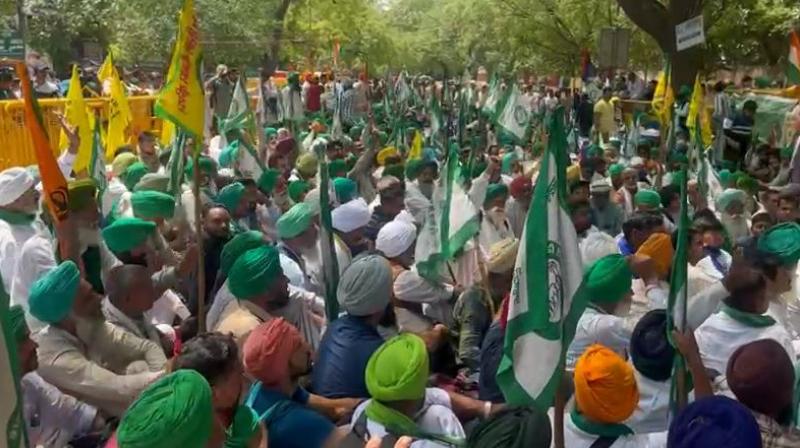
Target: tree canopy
{"x": 510, "y": 36}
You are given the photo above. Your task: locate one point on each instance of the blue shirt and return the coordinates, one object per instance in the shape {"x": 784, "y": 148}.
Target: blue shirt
{"x": 295, "y": 427}
{"x": 342, "y": 358}
{"x": 491, "y": 354}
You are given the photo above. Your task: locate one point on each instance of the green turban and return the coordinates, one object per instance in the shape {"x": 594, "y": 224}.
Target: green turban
{"x": 684, "y": 92}
{"x": 396, "y": 169}
{"x": 495, "y": 191}
{"x": 252, "y": 273}
{"x": 153, "y": 182}
{"x": 152, "y": 204}
{"x": 677, "y": 157}
{"x": 238, "y": 245}
{"x": 747, "y": 184}
{"x": 270, "y": 132}
{"x": 355, "y": 132}
{"x": 678, "y": 177}
{"x": 762, "y": 82}
{"x": 398, "y": 369}
{"x": 175, "y": 411}
{"x": 615, "y": 169}
{"x": 516, "y": 427}
{"x": 126, "y": 234}
{"x": 346, "y": 189}
{"x": 51, "y": 296}
{"x": 647, "y": 197}
{"x": 787, "y": 152}
{"x": 609, "y": 279}
{"x": 207, "y": 166}
{"x": 229, "y": 155}
{"x": 413, "y": 168}
{"x": 593, "y": 151}
{"x": 268, "y": 179}
{"x": 297, "y": 188}
{"x": 295, "y": 221}
{"x": 478, "y": 168}
{"x": 230, "y": 196}
{"x": 134, "y": 174}
{"x": 508, "y": 162}
{"x": 16, "y": 317}
{"x": 81, "y": 193}
{"x": 783, "y": 242}
{"x": 337, "y": 167}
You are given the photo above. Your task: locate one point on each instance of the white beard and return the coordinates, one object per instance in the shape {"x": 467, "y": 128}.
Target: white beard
{"x": 497, "y": 216}
{"x": 88, "y": 237}
{"x": 737, "y": 227}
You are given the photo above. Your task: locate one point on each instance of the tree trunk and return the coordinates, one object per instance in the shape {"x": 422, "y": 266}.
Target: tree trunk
{"x": 659, "y": 21}
{"x": 271, "y": 57}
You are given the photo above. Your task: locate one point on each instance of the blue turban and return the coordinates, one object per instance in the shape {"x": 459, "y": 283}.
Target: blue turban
{"x": 716, "y": 421}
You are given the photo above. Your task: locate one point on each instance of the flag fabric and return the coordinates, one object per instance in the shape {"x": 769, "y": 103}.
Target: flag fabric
{"x": 119, "y": 117}
{"x": 97, "y": 165}
{"x": 240, "y": 116}
{"x": 793, "y": 69}
{"x": 402, "y": 91}
{"x": 449, "y": 224}
{"x": 330, "y": 265}
{"x": 493, "y": 99}
{"x": 107, "y": 68}
{"x": 415, "y": 151}
{"x": 676, "y": 305}
{"x": 175, "y": 165}
{"x": 12, "y": 423}
{"x": 663, "y": 98}
{"x": 698, "y": 117}
{"x": 53, "y": 182}
{"x": 167, "y": 133}
{"x": 515, "y": 117}
{"x": 77, "y": 115}
{"x": 546, "y": 298}
{"x": 435, "y": 115}
{"x": 182, "y": 99}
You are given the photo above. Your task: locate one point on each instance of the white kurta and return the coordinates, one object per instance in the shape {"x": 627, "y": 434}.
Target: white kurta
{"x": 577, "y": 438}
{"x": 516, "y": 215}
{"x": 438, "y": 418}
{"x": 720, "y": 335}
{"x": 12, "y": 237}
{"x": 595, "y": 327}
{"x": 36, "y": 257}
{"x": 652, "y": 412}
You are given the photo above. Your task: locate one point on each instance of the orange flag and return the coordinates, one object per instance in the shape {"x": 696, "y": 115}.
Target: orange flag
{"x": 55, "y": 186}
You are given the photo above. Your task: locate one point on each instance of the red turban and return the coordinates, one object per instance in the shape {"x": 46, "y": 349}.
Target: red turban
{"x": 285, "y": 146}
{"x": 268, "y": 348}
{"x": 519, "y": 185}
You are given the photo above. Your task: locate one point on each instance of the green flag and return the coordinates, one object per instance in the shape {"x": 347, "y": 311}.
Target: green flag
{"x": 493, "y": 100}
{"x": 175, "y": 165}
{"x": 330, "y": 266}
{"x": 546, "y": 299}
{"x": 515, "y": 117}
{"x": 435, "y": 114}
{"x": 12, "y": 424}
{"x": 676, "y": 305}
{"x": 449, "y": 224}
{"x": 97, "y": 165}
{"x": 240, "y": 115}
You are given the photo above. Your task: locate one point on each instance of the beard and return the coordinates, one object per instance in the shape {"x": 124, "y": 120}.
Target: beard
{"x": 735, "y": 225}
{"x": 426, "y": 189}
{"x": 497, "y": 216}
{"x": 88, "y": 236}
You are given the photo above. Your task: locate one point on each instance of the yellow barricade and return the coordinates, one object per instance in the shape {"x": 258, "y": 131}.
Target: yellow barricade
{"x": 16, "y": 148}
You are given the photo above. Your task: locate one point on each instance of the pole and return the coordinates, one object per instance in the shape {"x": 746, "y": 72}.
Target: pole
{"x": 198, "y": 227}
{"x": 560, "y": 403}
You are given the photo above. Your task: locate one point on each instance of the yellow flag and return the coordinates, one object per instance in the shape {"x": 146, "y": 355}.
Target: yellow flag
{"x": 77, "y": 115}
{"x": 105, "y": 70}
{"x": 663, "y": 98}
{"x": 119, "y": 117}
{"x": 698, "y": 114}
{"x": 167, "y": 133}
{"x": 182, "y": 99}
{"x": 416, "y": 147}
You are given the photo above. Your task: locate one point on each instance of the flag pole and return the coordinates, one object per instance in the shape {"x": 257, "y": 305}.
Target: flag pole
{"x": 198, "y": 225}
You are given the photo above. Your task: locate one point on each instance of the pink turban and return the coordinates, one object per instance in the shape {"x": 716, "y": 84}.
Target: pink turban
{"x": 268, "y": 348}
{"x": 519, "y": 185}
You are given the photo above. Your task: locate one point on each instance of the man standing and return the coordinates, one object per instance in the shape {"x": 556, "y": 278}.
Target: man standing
{"x": 148, "y": 152}
{"x": 604, "y": 116}
{"x": 606, "y": 215}
{"x": 19, "y": 202}
{"x": 220, "y": 89}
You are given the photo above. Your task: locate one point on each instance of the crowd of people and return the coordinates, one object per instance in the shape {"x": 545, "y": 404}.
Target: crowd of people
{"x": 121, "y": 343}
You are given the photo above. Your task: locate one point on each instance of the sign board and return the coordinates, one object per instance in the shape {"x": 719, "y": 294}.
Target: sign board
{"x": 11, "y": 45}
{"x": 690, "y": 33}
{"x": 613, "y": 47}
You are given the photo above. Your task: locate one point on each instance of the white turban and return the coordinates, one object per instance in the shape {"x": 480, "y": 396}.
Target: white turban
{"x": 351, "y": 215}
{"x": 502, "y": 256}
{"x": 597, "y": 245}
{"x": 366, "y": 286}
{"x": 14, "y": 182}
{"x": 395, "y": 237}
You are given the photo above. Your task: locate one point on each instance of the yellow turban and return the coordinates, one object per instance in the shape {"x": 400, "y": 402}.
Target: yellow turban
{"x": 659, "y": 248}
{"x": 386, "y": 153}
{"x": 573, "y": 173}
{"x": 502, "y": 256}
{"x": 605, "y": 388}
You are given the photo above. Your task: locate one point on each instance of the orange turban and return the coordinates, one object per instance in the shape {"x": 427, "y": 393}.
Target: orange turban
{"x": 659, "y": 248}
{"x": 605, "y": 388}
{"x": 268, "y": 348}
